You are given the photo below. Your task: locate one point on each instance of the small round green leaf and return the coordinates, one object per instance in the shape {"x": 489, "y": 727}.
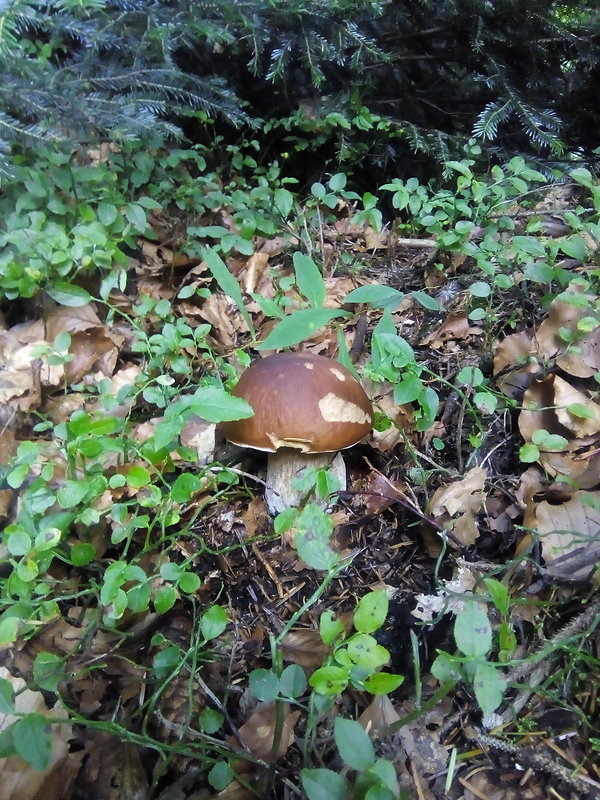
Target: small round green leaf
{"x": 472, "y": 630}
{"x": 354, "y": 744}
{"x": 189, "y": 582}
{"x": 137, "y": 477}
{"x": 371, "y": 611}
{"x": 213, "y": 622}
{"x": 220, "y": 776}
{"x": 165, "y": 598}
{"x": 264, "y": 684}
{"x": 324, "y": 784}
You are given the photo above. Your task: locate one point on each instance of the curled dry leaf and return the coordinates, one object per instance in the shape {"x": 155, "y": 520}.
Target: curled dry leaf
{"x": 461, "y": 495}
{"x": 531, "y": 482}
{"x": 582, "y": 363}
{"x": 578, "y": 459}
{"x": 514, "y": 363}
{"x": 157, "y": 258}
{"x": 377, "y": 240}
{"x": 272, "y": 247}
{"x": 93, "y": 351}
{"x": 538, "y": 411}
{"x": 582, "y": 424}
{"x": 581, "y": 468}
{"x": 379, "y": 492}
{"x": 336, "y": 291}
{"x": 455, "y": 326}
{"x": 304, "y": 647}
{"x": 113, "y": 770}
{"x": 18, "y": 781}
{"x": 254, "y": 270}
{"x": 402, "y": 418}
{"x": 378, "y": 716}
{"x": 220, "y": 311}
{"x": 454, "y": 506}
{"x": 23, "y": 373}
{"x": 258, "y": 731}
{"x": 569, "y": 534}
{"x": 199, "y": 434}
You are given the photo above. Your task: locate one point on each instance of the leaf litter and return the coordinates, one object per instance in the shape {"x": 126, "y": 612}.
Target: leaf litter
{"x": 430, "y": 535}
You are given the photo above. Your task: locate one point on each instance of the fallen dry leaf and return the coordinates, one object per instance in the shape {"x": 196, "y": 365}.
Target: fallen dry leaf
{"x": 585, "y": 360}
{"x": 304, "y": 647}
{"x": 114, "y": 769}
{"x": 515, "y": 364}
{"x": 258, "y": 731}
{"x": 569, "y": 534}
{"x": 378, "y": 716}
{"x": 18, "y": 780}
{"x": 254, "y": 270}
{"x": 199, "y": 434}
{"x": 579, "y": 457}
{"x": 538, "y": 411}
{"x": 455, "y": 326}
{"x": 227, "y": 323}
{"x": 453, "y": 507}
{"x": 566, "y": 395}
{"x": 461, "y": 495}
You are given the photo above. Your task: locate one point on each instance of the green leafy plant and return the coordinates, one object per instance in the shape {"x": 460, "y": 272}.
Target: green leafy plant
{"x": 476, "y": 641}
{"x": 356, "y": 659}
{"x": 375, "y": 777}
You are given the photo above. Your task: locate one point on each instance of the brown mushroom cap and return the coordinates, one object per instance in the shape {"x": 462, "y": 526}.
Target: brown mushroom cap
{"x": 308, "y": 402}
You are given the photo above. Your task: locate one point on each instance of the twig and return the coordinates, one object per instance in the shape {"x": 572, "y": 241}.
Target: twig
{"x": 417, "y": 243}
{"x": 528, "y": 756}
{"x": 538, "y": 666}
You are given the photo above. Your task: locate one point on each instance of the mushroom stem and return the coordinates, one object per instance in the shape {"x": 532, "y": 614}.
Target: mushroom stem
{"x": 286, "y": 464}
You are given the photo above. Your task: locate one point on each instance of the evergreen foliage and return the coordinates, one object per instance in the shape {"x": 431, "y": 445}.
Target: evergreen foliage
{"x": 401, "y": 75}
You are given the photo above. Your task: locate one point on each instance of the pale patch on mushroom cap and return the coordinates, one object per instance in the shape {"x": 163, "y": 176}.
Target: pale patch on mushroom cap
{"x": 321, "y": 408}
{"x": 339, "y": 375}
{"x": 334, "y": 408}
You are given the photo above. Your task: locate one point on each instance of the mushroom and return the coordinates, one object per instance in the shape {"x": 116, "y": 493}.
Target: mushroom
{"x": 306, "y": 408}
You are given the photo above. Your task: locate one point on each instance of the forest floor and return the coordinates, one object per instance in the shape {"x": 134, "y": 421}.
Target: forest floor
{"x": 434, "y": 517}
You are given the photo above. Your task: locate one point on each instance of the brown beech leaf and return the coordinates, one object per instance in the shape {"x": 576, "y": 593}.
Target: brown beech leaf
{"x": 21, "y": 371}
{"x": 513, "y": 364}
{"x": 569, "y": 534}
{"x": 581, "y": 468}
{"x": 460, "y": 496}
{"x": 583, "y": 363}
{"x": 531, "y": 482}
{"x": 258, "y": 731}
{"x": 227, "y": 322}
{"x": 566, "y": 395}
{"x": 114, "y": 770}
{"x": 455, "y": 505}
{"x": 92, "y": 351}
{"x": 538, "y": 411}
{"x": 378, "y": 716}
{"x": 304, "y": 647}
{"x": 402, "y": 418}
{"x": 254, "y": 270}
{"x": 455, "y": 326}
{"x": 376, "y": 240}
{"x": 200, "y": 435}
{"x": 382, "y": 492}
{"x": 19, "y": 781}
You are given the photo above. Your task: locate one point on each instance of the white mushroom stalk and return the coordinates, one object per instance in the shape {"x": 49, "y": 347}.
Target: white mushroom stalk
{"x": 285, "y": 465}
